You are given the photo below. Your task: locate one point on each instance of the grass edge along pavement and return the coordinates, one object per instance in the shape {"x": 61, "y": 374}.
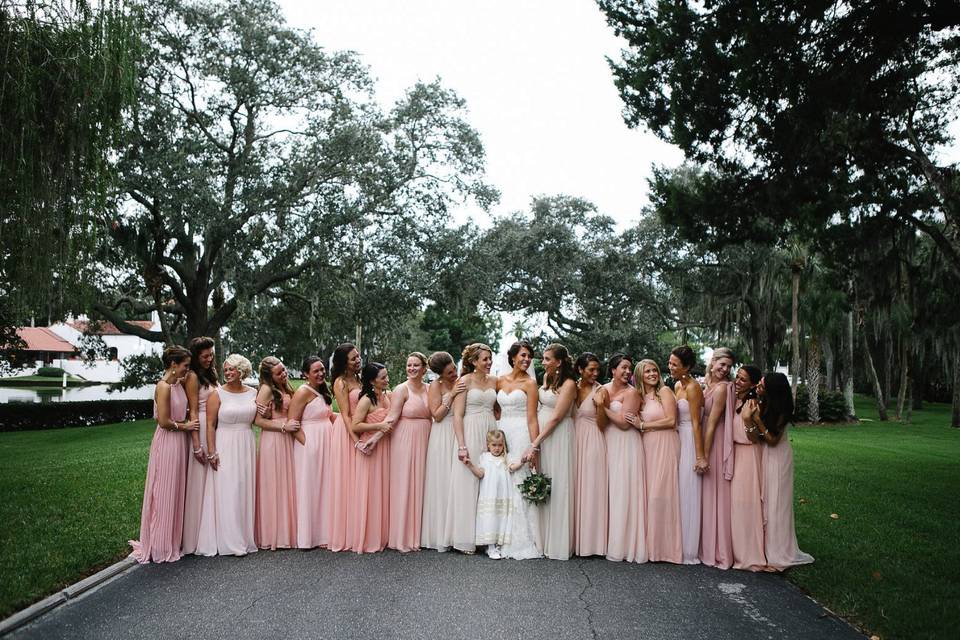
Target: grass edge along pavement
{"x": 73, "y": 500}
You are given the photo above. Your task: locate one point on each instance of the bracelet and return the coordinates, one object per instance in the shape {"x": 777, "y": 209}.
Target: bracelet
{"x": 213, "y": 456}
{"x": 462, "y": 449}
{"x": 534, "y": 448}
{"x": 283, "y": 427}
{"x": 196, "y": 451}
{"x": 643, "y": 426}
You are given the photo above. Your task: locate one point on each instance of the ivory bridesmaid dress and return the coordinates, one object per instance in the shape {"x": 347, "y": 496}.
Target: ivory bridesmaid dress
{"x": 661, "y": 456}
{"x": 627, "y": 536}
{"x": 461, "y": 524}
{"x": 780, "y": 535}
{"x": 690, "y": 489}
{"x": 558, "y": 461}
{"x": 161, "y": 519}
{"x": 408, "y": 460}
{"x": 276, "y": 523}
{"x": 370, "y": 515}
{"x": 436, "y": 484}
{"x": 342, "y": 455}
{"x": 309, "y": 462}
{"x": 233, "y": 499}
{"x": 197, "y": 481}
{"x": 716, "y": 546}
{"x": 746, "y": 509}
{"x": 590, "y": 500}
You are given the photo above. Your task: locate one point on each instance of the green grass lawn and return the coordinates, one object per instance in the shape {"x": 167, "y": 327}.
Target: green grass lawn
{"x": 888, "y": 562}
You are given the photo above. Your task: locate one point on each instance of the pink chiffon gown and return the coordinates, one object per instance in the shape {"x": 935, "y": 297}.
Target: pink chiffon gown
{"x": 370, "y": 515}
{"x": 590, "y": 500}
{"x": 716, "y": 546}
{"x": 231, "y": 497}
{"x": 436, "y": 484}
{"x": 558, "y": 461}
{"x": 408, "y": 461}
{"x": 627, "y": 536}
{"x": 161, "y": 519}
{"x": 661, "y": 450}
{"x": 780, "y": 535}
{"x": 276, "y": 523}
{"x": 746, "y": 508}
{"x": 197, "y": 480}
{"x": 342, "y": 457}
{"x": 689, "y": 482}
{"x": 310, "y": 467}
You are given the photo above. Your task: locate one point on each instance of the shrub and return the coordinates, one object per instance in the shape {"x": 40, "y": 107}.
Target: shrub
{"x": 832, "y": 406}
{"x": 50, "y": 372}
{"x": 17, "y": 416}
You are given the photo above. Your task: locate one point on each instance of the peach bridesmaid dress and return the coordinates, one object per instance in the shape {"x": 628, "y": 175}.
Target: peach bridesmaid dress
{"x": 716, "y": 546}
{"x": 689, "y": 482}
{"x": 558, "y": 461}
{"x": 370, "y": 515}
{"x": 746, "y": 509}
{"x": 436, "y": 484}
{"x": 309, "y": 462}
{"x": 661, "y": 450}
{"x": 590, "y": 499}
{"x": 408, "y": 461}
{"x": 627, "y": 536}
{"x": 276, "y": 523}
{"x": 161, "y": 519}
{"x": 342, "y": 455}
{"x": 780, "y": 535}
{"x": 197, "y": 481}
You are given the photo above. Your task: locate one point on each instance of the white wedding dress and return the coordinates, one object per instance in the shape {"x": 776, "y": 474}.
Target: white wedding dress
{"x": 524, "y": 516}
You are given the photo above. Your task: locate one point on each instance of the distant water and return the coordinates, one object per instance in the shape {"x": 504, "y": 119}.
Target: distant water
{"x": 73, "y": 394}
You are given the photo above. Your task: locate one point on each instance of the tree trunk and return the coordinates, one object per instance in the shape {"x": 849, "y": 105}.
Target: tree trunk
{"x": 828, "y": 361}
{"x": 955, "y": 418}
{"x": 918, "y": 381}
{"x": 872, "y": 376}
{"x": 813, "y": 379}
{"x": 847, "y": 373}
{"x": 795, "y": 329}
{"x": 902, "y": 397}
{"x": 888, "y": 352}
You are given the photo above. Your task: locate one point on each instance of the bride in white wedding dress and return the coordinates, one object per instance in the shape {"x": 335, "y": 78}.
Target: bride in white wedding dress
{"x": 517, "y": 397}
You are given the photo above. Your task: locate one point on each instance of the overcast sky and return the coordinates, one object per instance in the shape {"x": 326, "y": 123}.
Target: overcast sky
{"x": 535, "y": 78}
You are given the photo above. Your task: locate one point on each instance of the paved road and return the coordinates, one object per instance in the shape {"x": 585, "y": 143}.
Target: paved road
{"x": 318, "y": 594}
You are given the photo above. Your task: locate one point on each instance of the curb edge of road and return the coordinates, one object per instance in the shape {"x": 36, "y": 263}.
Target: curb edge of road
{"x": 72, "y": 592}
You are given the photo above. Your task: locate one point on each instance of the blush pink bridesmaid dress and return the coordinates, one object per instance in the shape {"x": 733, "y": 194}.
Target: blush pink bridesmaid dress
{"x": 590, "y": 499}
{"x": 627, "y": 536}
{"x": 746, "y": 509}
{"x": 716, "y": 545}
{"x": 276, "y": 521}
{"x": 370, "y": 515}
{"x": 161, "y": 519}
{"x": 661, "y": 450}
{"x": 198, "y": 478}
{"x": 690, "y": 487}
{"x": 310, "y": 467}
{"x": 780, "y": 535}
{"x": 339, "y": 482}
{"x": 408, "y": 461}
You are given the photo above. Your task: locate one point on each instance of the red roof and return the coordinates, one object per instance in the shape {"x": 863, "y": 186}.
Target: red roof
{"x": 106, "y": 328}
{"x": 42, "y": 339}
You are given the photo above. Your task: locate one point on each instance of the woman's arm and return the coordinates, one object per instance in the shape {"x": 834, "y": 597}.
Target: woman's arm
{"x": 397, "y": 400}
{"x": 213, "y": 413}
{"x": 618, "y": 418}
{"x": 568, "y": 391}
{"x": 694, "y": 396}
{"x": 342, "y": 394}
{"x": 265, "y": 420}
{"x": 716, "y": 414}
{"x": 301, "y": 398}
{"x": 459, "y": 407}
{"x": 764, "y": 434}
{"x": 601, "y": 400}
{"x": 192, "y": 386}
{"x": 363, "y": 410}
{"x": 533, "y": 421}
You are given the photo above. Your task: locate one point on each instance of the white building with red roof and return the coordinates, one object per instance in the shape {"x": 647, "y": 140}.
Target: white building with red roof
{"x": 119, "y": 346}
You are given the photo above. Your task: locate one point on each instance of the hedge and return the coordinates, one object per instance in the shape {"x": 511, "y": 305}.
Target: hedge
{"x": 832, "y": 406}
{"x": 25, "y": 416}
{"x": 50, "y": 372}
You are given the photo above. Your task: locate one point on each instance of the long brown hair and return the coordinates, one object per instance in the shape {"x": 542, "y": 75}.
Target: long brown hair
{"x": 208, "y": 377}
{"x": 564, "y": 372}
{"x": 265, "y": 372}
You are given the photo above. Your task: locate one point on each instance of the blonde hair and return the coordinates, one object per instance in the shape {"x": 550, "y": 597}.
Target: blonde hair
{"x": 720, "y": 352}
{"x": 496, "y": 435}
{"x": 239, "y": 363}
{"x": 470, "y": 355}
{"x": 638, "y": 376}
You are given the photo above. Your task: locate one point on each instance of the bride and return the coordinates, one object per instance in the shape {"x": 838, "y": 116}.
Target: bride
{"x": 517, "y": 397}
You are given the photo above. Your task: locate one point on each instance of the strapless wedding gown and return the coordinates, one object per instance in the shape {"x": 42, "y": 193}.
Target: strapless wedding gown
{"x": 524, "y": 516}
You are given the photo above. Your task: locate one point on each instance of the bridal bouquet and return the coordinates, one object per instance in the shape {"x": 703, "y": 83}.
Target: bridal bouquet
{"x": 535, "y": 488}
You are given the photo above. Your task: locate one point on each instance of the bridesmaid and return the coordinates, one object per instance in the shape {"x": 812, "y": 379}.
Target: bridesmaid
{"x": 231, "y": 410}
{"x": 661, "y": 447}
{"x": 627, "y": 504}
{"x": 559, "y": 456}
{"x": 345, "y": 376}
{"x": 693, "y": 463}
{"x": 439, "y": 468}
{"x": 200, "y": 382}
{"x": 770, "y": 428}
{"x": 716, "y": 548}
{"x": 472, "y": 418}
{"x": 410, "y": 415}
{"x": 310, "y": 409}
{"x": 589, "y": 422}
{"x": 746, "y": 509}
{"x": 161, "y": 520}
{"x": 276, "y": 523}
{"x": 370, "y": 516}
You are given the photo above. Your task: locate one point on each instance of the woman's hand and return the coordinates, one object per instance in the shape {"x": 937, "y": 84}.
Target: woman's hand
{"x": 190, "y": 425}
{"x": 200, "y": 455}
{"x": 748, "y": 411}
{"x": 601, "y": 398}
{"x": 459, "y": 387}
{"x": 463, "y": 454}
{"x": 701, "y": 466}
{"x": 214, "y": 460}
{"x": 264, "y": 410}
{"x": 632, "y": 419}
